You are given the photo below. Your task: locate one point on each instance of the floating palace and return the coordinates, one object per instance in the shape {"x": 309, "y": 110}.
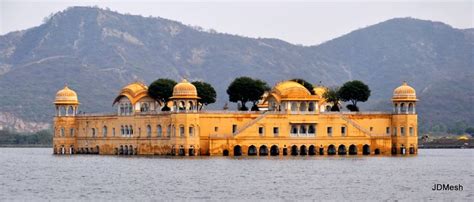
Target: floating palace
{"x": 291, "y": 121}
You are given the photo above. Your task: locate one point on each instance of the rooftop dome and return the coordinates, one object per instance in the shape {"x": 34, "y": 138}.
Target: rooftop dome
{"x": 184, "y": 90}
{"x": 291, "y": 90}
{"x": 404, "y": 93}
{"x": 133, "y": 91}
{"x": 66, "y": 96}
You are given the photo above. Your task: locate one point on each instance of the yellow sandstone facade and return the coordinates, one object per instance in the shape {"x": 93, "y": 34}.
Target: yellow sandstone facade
{"x": 293, "y": 122}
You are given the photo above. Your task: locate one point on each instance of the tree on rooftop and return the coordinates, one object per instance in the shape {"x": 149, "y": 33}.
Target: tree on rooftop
{"x": 246, "y": 89}
{"x": 332, "y": 96}
{"x": 206, "y": 93}
{"x": 161, "y": 90}
{"x": 354, "y": 91}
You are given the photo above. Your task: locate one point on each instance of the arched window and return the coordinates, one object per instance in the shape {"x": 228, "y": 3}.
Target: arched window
{"x": 191, "y": 105}
{"x": 294, "y": 106}
{"x": 302, "y": 129}
{"x": 131, "y": 130}
{"x": 93, "y": 132}
{"x": 144, "y": 107}
{"x": 181, "y": 131}
{"x": 70, "y": 111}
{"x": 61, "y": 111}
{"x": 182, "y": 105}
{"x": 62, "y": 132}
{"x": 130, "y": 108}
{"x": 191, "y": 130}
{"x": 159, "y": 131}
{"x": 311, "y": 129}
{"x": 410, "y": 108}
{"x": 303, "y": 106}
{"x": 122, "y": 109}
{"x": 148, "y": 131}
{"x": 127, "y": 130}
{"x": 71, "y": 132}
{"x": 294, "y": 129}
{"x": 402, "y": 108}
{"x": 311, "y": 106}
{"x": 104, "y": 131}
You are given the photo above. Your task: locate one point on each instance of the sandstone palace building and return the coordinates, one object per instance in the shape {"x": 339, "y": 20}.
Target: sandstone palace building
{"x": 292, "y": 121}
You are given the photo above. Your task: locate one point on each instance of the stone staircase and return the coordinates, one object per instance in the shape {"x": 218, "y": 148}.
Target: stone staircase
{"x": 356, "y": 125}
{"x": 250, "y": 123}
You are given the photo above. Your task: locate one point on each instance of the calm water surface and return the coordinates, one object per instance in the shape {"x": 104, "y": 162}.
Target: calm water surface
{"x": 36, "y": 174}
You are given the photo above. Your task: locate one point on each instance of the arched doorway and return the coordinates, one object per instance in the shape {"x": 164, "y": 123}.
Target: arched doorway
{"x": 285, "y": 151}
{"x": 312, "y": 150}
{"x": 97, "y": 150}
{"x": 303, "y": 150}
{"x": 71, "y": 149}
{"x": 377, "y": 151}
{"x": 321, "y": 150}
{"x": 237, "y": 150}
{"x": 352, "y": 150}
{"x": 130, "y": 150}
{"x": 121, "y": 150}
{"x": 294, "y": 150}
{"x": 402, "y": 150}
{"x": 394, "y": 150}
{"x": 366, "y": 150}
{"x": 125, "y": 150}
{"x": 191, "y": 151}
{"x": 181, "y": 151}
{"x": 225, "y": 152}
{"x": 341, "y": 150}
{"x": 252, "y": 151}
{"x": 263, "y": 151}
{"x": 412, "y": 150}
{"x": 274, "y": 150}
{"x": 331, "y": 150}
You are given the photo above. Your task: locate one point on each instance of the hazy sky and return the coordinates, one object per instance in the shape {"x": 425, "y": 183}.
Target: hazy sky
{"x": 299, "y": 22}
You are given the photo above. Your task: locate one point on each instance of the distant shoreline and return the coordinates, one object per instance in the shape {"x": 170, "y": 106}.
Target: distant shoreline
{"x": 26, "y": 146}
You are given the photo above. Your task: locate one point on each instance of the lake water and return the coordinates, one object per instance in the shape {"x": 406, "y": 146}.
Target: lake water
{"x": 36, "y": 174}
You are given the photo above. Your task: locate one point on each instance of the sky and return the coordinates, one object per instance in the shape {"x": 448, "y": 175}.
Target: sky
{"x": 297, "y": 22}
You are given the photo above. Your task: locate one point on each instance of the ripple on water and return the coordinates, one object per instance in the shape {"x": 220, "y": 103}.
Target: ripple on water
{"x": 32, "y": 174}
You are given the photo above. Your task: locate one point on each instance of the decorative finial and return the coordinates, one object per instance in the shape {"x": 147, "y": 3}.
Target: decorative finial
{"x": 405, "y": 83}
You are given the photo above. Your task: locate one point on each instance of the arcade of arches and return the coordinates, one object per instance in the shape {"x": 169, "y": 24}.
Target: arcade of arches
{"x": 292, "y": 122}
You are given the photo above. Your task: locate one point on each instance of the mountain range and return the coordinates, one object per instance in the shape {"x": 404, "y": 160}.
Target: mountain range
{"x": 97, "y": 51}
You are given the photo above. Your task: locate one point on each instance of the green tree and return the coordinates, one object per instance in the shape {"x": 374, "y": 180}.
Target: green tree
{"x": 354, "y": 91}
{"x": 206, "y": 93}
{"x": 306, "y": 84}
{"x": 161, "y": 90}
{"x": 332, "y": 96}
{"x": 246, "y": 89}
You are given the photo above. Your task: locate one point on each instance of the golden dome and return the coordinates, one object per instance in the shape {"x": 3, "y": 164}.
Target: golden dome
{"x": 66, "y": 96}
{"x": 404, "y": 93}
{"x": 133, "y": 91}
{"x": 291, "y": 90}
{"x": 185, "y": 90}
